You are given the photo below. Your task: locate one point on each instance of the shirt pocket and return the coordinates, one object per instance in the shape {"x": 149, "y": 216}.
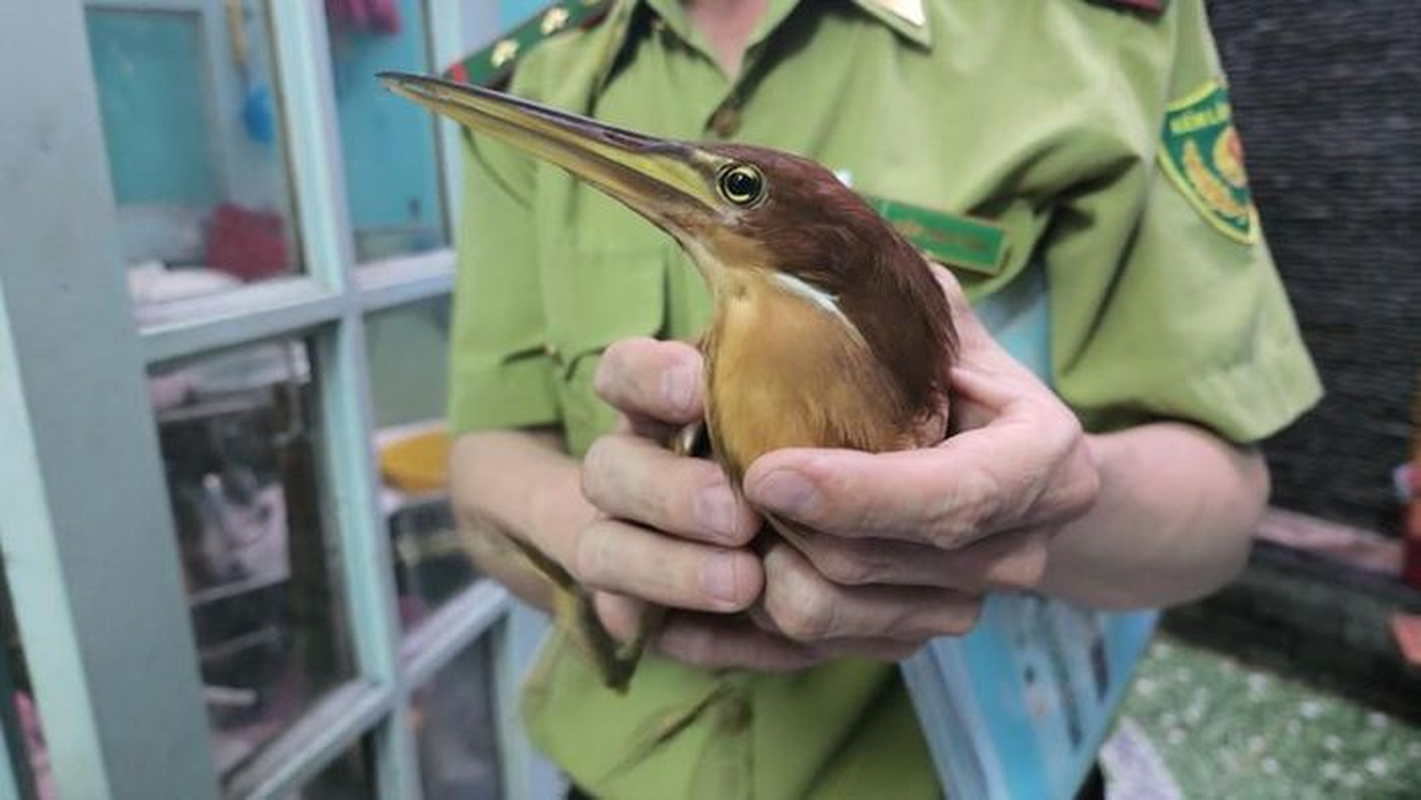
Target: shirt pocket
{"x": 594, "y": 298}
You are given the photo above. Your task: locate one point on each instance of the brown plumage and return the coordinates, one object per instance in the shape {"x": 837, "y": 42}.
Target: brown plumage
{"x": 786, "y": 371}
{"x": 829, "y": 329}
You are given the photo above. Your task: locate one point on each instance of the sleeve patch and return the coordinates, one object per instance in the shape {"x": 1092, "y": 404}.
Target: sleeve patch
{"x": 1202, "y": 154}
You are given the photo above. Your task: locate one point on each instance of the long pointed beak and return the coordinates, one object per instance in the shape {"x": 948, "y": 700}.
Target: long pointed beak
{"x": 668, "y": 182}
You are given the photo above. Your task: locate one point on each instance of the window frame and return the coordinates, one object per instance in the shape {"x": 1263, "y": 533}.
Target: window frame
{"x": 91, "y": 689}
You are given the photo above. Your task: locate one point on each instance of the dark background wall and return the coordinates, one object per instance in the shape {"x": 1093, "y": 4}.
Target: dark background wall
{"x": 1327, "y": 97}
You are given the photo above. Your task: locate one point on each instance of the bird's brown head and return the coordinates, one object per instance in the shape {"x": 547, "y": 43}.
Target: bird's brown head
{"x": 737, "y": 210}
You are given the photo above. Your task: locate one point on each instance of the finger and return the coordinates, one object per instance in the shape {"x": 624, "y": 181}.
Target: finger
{"x": 622, "y": 616}
{"x": 808, "y": 608}
{"x": 878, "y": 649}
{"x": 952, "y": 289}
{"x": 1013, "y": 561}
{"x": 980, "y": 395}
{"x": 975, "y": 343}
{"x": 974, "y": 484}
{"x": 886, "y": 650}
{"x": 731, "y": 642}
{"x": 724, "y": 642}
{"x": 979, "y": 348}
{"x": 626, "y": 559}
{"x": 1023, "y": 409}
{"x": 643, "y": 426}
{"x": 634, "y": 479}
{"x": 662, "y": 381}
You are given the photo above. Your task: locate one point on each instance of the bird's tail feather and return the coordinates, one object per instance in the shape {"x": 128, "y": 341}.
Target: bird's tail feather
{"x": 574, "y": 612}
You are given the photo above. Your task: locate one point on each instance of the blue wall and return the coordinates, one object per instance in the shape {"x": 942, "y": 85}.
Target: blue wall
{"x": 512, "y": 12}
{"x": 151, "y": 99}
{"x": 392, "y": 175}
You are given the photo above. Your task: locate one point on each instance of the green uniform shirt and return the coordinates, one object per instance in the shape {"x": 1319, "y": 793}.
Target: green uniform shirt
{"x": 1097, "y": 138}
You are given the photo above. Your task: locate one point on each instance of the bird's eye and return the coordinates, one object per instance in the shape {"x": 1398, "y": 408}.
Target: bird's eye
{"x": 742, "y": 184}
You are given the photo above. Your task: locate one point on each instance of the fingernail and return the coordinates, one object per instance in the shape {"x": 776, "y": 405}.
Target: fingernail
{"x": 786, "y": 490}
{"x": 678, "y": 386}
{"x": 715, "y": 508}
{"x": 718, "y": 578}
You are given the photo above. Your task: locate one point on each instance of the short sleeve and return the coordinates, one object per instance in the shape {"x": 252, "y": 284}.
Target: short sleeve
{"x": 500, "y": 373}
{"x": 1163, "y": 306}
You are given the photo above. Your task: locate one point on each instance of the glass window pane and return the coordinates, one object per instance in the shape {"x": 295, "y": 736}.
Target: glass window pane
{"x": 453, "y": 717}
{"x": 350, "y": 777}
{"x": 483, "y": 23}
{"x": 192, "y": 128}
{"x": 239, "y": 438}
{"x": 408, "y": 349}
{"x": 512, "y": 12}
{"x": 23, "y": 733}
{"x": 391, "y": 161}
{"x": 431, "y": 562}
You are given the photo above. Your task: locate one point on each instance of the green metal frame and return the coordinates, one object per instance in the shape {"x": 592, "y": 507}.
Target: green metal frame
{"x": 85, "y": 518}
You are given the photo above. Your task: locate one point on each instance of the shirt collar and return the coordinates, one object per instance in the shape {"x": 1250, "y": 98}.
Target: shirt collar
{"x": 907, "y": 18}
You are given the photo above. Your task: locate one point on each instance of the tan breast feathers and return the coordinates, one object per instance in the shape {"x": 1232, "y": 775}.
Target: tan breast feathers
{"x": 788, "y": 369}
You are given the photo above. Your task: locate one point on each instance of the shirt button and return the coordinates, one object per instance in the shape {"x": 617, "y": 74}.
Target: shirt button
{"x": 551, "y": 351}
{"x": 726, "y": 121}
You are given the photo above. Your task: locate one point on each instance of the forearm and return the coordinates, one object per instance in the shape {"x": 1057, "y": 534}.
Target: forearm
{"x": 517, "y": 484}
{"x": 1173, "y": 520}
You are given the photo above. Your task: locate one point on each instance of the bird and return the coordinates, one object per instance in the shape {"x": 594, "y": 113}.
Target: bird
{"x": 828, "y": 328}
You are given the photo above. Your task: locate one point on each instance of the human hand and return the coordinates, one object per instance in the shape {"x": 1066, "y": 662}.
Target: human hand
{"x": 672, "y": 532}
{"x": 673, "y": 529}
{"x": 906, "y": 543}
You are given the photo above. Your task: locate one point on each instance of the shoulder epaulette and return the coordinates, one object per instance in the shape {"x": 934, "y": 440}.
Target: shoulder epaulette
{"x": 1146, "y": 6}
{"x": 493, "y": 65}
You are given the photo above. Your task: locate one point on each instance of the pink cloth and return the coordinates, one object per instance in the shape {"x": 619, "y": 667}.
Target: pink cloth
{"x": 374, "y": 16}
{"x": 248, "y": 244}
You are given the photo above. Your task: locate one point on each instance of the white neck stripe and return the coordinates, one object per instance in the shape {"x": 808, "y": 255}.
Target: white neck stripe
{"x": 820, "y": 298}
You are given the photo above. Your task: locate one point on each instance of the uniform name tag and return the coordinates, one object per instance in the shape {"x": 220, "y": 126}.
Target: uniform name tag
{"x": 955, "y": 240}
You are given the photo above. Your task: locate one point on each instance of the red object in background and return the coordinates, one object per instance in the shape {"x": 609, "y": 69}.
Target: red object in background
{"x": 248, "y": 244}
{"x": 374, "y": 16}
{"x": 1406, "y": 631}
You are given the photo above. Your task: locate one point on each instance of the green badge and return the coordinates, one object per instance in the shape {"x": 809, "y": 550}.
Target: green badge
{"x": 954, "y": 240}
{"x": 1202, "y": 154}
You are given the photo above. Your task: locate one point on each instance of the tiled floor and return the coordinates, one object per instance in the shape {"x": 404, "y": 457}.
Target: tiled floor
{"x": 1203, "y": 725}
